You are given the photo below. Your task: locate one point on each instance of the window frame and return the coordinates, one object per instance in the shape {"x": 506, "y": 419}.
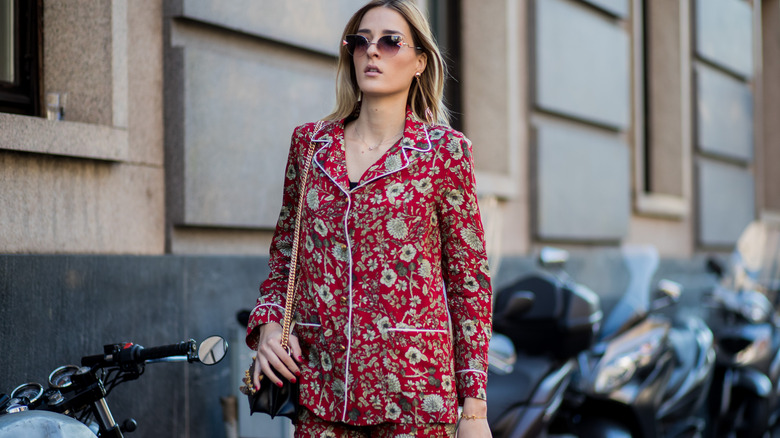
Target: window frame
{"x": 445, "y": 17}
{"x": 648, "y": 201}
{"x": 23, "y": 95}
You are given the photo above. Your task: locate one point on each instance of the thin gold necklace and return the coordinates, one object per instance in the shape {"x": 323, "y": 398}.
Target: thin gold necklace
{"x": 381, "y": 143}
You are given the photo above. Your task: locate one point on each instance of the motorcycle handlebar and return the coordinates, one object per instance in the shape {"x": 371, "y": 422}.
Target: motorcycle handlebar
{"x": 127, "y": 354}
{"x": 184, "y": 348}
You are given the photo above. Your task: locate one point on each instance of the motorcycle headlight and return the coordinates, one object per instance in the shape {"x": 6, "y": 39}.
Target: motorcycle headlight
{"x": 754, "y": 306}
{"x": 758, "y": 347}
{"x": 614, "y": 374}
{"x": 623, "y": 357}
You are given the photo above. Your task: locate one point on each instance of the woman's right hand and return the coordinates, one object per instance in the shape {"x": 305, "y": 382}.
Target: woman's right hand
{"x": 271, "y": 358}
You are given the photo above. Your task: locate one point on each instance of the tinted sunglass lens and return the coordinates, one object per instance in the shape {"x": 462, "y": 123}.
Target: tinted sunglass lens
{"x": 389, "y": 44}
{"x": 356, "y": 44}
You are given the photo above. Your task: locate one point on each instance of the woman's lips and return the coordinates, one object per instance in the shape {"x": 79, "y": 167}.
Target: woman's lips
{"x": 372, "y": 70}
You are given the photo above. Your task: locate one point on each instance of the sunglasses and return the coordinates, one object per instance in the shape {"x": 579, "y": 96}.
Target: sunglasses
{"x": 388, "y": 45}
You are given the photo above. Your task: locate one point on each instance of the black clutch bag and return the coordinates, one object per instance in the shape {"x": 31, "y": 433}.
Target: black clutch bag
{"x": 271, "y": 399}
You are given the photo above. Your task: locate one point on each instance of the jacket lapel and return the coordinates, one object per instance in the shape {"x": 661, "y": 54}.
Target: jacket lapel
{"x": 331, "y": 157}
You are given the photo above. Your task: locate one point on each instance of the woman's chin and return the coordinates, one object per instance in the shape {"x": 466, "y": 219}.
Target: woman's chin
{"x": 373, "y": 92}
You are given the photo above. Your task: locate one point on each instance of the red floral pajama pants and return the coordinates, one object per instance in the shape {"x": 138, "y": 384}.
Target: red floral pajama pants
{"x": 311, "y": 426}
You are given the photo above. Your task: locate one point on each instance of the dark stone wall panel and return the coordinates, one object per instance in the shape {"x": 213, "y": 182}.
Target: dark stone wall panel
{"x": 56, "y": 309}
{"x": 583, "y": 184}
{"x": 619, "y": 8}
{"x": 724, "y": 34}
{"x": 60, "y": 308}
{"x": 581, "y": 64}
{"x": 724, "y": 115}
{"x": 726, "y": 203}
{"x": 233, "y": 104}
{"x": 312, "y": 24}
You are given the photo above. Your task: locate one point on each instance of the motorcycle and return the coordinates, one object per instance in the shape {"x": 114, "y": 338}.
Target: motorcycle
{"x": 541, "y": 322}
{"x": 746, "y": 388}
{"x": 648, "y": 374}
{"x": 74, "y": 404}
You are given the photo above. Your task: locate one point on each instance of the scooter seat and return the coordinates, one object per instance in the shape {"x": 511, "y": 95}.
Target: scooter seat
{"x": 516, "y": 388}
{"x": 686, "y": 350}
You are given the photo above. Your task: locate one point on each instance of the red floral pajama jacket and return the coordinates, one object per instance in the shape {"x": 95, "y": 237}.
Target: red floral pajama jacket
{"x": 394, "y": 290}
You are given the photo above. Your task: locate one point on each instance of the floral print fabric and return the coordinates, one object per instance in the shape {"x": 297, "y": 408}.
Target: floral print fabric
{"x": 394, "y": 297}
{"x": 310, "y": 426}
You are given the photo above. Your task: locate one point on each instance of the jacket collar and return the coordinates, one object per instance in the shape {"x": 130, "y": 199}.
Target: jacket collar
{"x": 331, "y": 156}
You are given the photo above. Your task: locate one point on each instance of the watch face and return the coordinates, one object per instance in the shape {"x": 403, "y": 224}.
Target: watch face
{"x": 32, "y": 391}
{"x": 61, "y": 377}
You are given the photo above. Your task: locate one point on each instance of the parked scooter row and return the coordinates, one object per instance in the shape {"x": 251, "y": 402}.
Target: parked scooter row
{"x": 541, "y": 323}
{"x": 74, "y": 403}
{"x": 647, "y": 369}
{"x": 744, "y": 398}
{"x": 577, "y": 372}
{"x": 648, "y": 374}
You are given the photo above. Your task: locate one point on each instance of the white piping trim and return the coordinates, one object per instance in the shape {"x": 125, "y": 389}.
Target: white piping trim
{"x": 349, "y": 256}
{"x": 407, "y": 160}
{"x": 268, "y": 304}
{"x": 349, "y": 315}
{"x": 309, "y": 324}
{"x": 471, "y": 371}
{"x": 416, "y": 330}
{"x": 349, "y": 245}
{"x": 317, "y": 162}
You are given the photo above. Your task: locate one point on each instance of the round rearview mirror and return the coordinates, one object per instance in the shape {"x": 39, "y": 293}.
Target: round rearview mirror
{"x": 212, "y": 350}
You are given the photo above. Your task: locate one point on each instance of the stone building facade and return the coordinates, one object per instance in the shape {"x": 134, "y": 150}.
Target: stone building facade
{"x": 142, "y": 146}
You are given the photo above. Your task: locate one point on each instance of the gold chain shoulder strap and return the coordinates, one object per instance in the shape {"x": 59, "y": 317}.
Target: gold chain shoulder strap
{"x": 290, "y": 305}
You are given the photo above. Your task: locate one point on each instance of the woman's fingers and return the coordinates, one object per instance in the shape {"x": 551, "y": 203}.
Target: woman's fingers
{"x": 260, "y": 364}
{"x": 273, "y": 359}
{"x": 282, "y": 362}
{"x": 295, "y": 349}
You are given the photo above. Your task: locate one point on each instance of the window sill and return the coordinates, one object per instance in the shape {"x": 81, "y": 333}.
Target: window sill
{"x": 71, "y": 139}
{"x": 494, "y": 184}
{"x": 661, "y": 206}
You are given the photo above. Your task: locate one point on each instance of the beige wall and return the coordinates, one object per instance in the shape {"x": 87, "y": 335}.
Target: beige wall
{"x": 160, "y": 94}
{"x": 94, "y": 182}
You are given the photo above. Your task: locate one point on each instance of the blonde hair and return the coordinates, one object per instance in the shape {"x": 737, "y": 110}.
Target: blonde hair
{"x": 431, "y": 80}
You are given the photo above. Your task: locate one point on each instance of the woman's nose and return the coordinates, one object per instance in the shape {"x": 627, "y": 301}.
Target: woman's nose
{"x": 372, "y": 50}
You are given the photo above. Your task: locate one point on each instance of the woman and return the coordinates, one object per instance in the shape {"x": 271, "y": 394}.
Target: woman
{"x": 393, "y": 319}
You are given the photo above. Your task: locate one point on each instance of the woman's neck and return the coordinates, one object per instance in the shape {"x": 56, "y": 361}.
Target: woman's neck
{"x": 381, "y": 119}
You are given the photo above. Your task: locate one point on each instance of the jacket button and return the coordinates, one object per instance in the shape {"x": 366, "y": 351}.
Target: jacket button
{"x": 342, "y": 347}
{"x": 343, "y": 300}
{"x": 344, "y": 246}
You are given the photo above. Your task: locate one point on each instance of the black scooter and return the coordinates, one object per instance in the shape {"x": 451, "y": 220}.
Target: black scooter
{"x": 648, "y": 374}
{"x": 541, "y": 322}
{"x": 746, "y": 389}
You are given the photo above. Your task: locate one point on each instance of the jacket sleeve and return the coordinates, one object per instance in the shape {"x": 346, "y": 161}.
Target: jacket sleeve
{"x": 464, "y": 267}
{"x": 273, "y": 291}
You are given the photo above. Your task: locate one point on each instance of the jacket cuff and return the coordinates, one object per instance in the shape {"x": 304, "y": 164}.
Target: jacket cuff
{"x": 471, "y": 383}
{"x": 262, "y": 314}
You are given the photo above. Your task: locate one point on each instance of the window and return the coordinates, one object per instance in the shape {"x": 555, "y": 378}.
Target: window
{"x": 662, "y": 135}
{"x": 445, "y": 21}
{"x": 19, "y": 57}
